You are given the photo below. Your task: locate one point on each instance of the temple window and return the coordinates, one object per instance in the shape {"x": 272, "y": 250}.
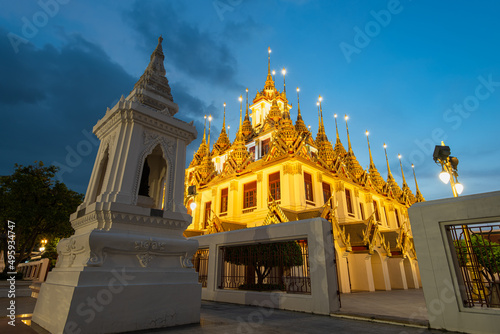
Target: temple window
{"x": 362, "y": 211}
{"x": 348, "y": 201}
{"x": 250, "y": 195}
{"x": 223, "y": 200}
{"x": 397, "y": 217}
{"x": 308, "y": 186}
{"x": 265, "y": 147}
{"x": 274, "y": 186}
{"x": 153, "y": 186}
{"x": 208, "y": 213}
{"x": 375, "y": 208}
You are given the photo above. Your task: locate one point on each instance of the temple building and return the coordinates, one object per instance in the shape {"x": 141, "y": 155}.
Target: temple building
{"x": 276, "y": 171}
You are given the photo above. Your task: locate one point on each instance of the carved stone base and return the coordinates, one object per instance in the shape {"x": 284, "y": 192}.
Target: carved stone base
{"x": 135, "y": 274}
{"x": 96, "y": 301}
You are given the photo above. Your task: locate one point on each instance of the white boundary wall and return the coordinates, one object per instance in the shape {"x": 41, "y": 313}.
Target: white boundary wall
{"x": 439, "y": 279}
{"x": 323, "y": 298}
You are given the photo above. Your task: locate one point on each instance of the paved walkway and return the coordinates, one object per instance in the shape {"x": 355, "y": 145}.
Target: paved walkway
{"x": 397, "y": 311}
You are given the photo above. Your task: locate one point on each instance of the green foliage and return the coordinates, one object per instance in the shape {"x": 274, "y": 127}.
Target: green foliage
{"x": 263, "y": 257}
{"x": 39, "y": 206}
{"x": 51, "y": 252}
{"x": 487, "y": 253}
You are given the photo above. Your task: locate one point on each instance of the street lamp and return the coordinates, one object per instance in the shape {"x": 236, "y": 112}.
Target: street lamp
{"x": 449, "y": 167}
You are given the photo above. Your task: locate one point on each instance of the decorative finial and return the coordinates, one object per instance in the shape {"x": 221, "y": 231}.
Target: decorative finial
{"x": 241, "y": 108}
{"x": 204, "y": 130}
{"x": 369, "y": 149}
{"x": 228, "y": 127}
{"x": 209, "y": 127}
{"x": 402, "y": 172}
{"x": 224, "y": 117}
{"x": 336, "y": 127}
{"x": 348, "y": 138}
{"x": 160, "y": 40}
{"x": 389, "y": 174}
{"x": 418, "y": 194}
{"x": 283, "y": 71}
{"x": 274, "y": 75}
{"x": 298, "y": 102}
{"x": 269, "y": 60}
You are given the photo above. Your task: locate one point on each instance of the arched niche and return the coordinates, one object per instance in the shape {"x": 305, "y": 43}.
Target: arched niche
{"x": 152, "y": 189}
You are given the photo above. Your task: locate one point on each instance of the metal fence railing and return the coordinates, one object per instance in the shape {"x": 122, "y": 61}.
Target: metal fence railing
{"x": 476, "y": 252}
{"x": 200, "y": 264}
{"x": 266, "y": 267}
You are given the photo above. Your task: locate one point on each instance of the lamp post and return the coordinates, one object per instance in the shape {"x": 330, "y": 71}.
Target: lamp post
{"x": 449, "y": 173}
{"x": 449, "y": 166}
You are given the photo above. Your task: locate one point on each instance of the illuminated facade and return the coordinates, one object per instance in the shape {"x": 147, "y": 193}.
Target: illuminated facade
{"x": 275, "y": 172}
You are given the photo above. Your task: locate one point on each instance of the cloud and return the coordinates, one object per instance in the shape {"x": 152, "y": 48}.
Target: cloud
{"x": 192, "y": 51}
{"x": 52, "y": 95}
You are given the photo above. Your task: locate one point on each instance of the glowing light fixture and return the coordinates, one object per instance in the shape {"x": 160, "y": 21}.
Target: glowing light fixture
{"x": 346, "y": 117}
{"x": 192, "y": 206}
{"x": 444, "y": 176}
{"x": 459, "y": 188}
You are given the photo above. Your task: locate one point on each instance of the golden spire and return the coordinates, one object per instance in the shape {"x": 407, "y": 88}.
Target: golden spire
{"x": 224, "y": 118}
{"x": 389, "y": 174}
{"x": 299, "y": 124}
{"x": 339, "y": 148}
{"x": 204, "y": 130}
{"x": 202, "y": 150}
{"x": 209, "y": 127}
{"x": 269, "y": 60}
{"x": 247, "y": 125}
{"x": 391, "y": 183}
{"x": 283, "y": 71}
{"x": 348, "y": 138}
{"x": 246, "y": 112}
{"x": 223, "y": 142}
{"x": 369, "y": 149}
{"x": 269, "y": 88}
{"x": 402, "y": 172}
{"x": 418, "y": 194}
{"x": 241, "y": 109}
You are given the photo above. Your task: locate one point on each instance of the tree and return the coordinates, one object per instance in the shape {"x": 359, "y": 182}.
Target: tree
{"x": 263, "y": 257}
{"x": 487, "y": 254}
{"x": 39, "y": 207}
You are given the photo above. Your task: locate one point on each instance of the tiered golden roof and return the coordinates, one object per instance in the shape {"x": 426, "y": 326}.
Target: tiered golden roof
{"x": 292, "y": 140}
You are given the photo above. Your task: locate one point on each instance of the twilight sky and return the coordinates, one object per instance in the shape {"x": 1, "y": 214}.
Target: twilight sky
{"x": 411, "y": 72}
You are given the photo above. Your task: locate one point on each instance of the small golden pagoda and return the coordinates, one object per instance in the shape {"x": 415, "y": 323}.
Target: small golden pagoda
{"x": 275, "y": 172}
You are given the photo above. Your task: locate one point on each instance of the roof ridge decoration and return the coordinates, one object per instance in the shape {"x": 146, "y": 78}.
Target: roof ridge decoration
{"x": 152, "y": 89}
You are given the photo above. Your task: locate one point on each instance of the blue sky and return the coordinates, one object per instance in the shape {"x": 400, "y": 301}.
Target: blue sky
{"x": 411, "y": 72}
